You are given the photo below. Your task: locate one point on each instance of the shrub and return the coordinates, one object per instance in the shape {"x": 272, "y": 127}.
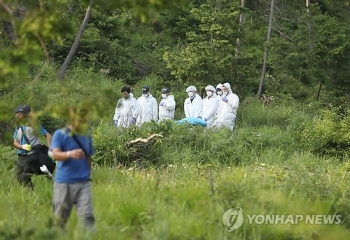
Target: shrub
{"x": 111, "y": 145}
{"x": 329, "y": 134}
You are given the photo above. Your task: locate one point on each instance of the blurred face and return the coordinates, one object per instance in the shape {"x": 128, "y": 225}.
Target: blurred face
{"x": 210, "y": 93}
{"x": 79, "y": 120}
{"x": 219, "y": 91}
{"x": 191, "y": 93}
{"x": 18, "y": 116}
{"x": 125, "y": 95}
{"x": 224, "y": 90}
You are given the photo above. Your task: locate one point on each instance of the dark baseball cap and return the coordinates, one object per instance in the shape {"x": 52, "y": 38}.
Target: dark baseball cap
{"x": 145, "y": 89}
{"x": 165, "y": 90}
{"x": 23, "y": 109}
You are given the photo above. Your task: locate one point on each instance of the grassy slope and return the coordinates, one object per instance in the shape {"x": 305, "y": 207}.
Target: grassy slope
{"x": 261, "y": 168}
{"x": 176, "y": 202}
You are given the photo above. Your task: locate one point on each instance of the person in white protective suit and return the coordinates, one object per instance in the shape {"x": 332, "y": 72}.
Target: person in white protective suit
{"x": 219, "y": 90}
{"x": 167, "y": 106}
{"x": 193, "y": 105}
{"x": 148, "y": 107}
{"x": 226, "y": 113}
{"x": 210, "y": 105}
{"x": 127, "y": 110}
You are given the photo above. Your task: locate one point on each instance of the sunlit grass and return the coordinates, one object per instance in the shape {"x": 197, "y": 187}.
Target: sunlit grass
{"x": 197, "y": 175}
{"x": 182, "y": 202}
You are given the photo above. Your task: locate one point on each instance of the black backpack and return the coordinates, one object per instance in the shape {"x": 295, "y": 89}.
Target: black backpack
{"x": 44, "y": 159}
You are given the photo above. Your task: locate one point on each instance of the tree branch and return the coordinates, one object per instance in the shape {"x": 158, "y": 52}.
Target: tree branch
{"x": 7, "y": 8}
{"x": 141, "y": 140}
{"x": 277, "y": 30}
{"x": 284, "y": 35}
{"x": 41, "y": 41}
{"x": 75, "y": 45}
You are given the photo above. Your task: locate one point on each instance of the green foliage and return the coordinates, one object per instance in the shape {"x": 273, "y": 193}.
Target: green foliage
{"x": 262, "y": 167}
{"x": 49, "y": 98}
{"x": 329, "y": 134}
{"x": 259, "y": 131}
{"x": 258, "y": 127}
{"x": 255, "y": 114}
{"x": 197, "y": 43}
{"x": 208, "y": 51}
{"x": 32, "y": 28}
{"x": 52, "y": 124}
{"x": 37, "y": 25}
{"x": 281, "y": 158}
{"x": 179, "y": 201}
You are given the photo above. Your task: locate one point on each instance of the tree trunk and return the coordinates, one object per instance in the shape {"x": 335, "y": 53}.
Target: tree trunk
{"x": 319, "y": 91}
{"x": 309, "y": 25}
{"x": 241, "y": 21}
{"x": 267, "y": 46}
{"x": 75, "y": 45}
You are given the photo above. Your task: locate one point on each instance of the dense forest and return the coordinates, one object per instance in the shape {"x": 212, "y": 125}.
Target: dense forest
{"x": 197, "y": 42}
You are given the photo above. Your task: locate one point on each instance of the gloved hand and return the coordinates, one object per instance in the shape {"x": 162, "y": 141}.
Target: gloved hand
{"x": 115, "y": 122}
{"x": 133, "y": 120}
{"x": 223, "y": 98}
{"x": 161, "y": 104}
{"x": 27, "y": 147}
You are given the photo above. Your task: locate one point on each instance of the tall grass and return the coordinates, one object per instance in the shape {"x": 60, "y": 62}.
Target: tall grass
{"x": 192, "y": 175}
{"x": 179, "y": 202}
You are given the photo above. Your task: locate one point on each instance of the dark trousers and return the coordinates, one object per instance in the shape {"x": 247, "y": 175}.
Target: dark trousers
{"x": 26, "y": 167}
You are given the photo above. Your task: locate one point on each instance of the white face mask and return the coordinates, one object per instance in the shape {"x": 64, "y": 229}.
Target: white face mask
{"x": 163, "y": 95}
{"x": 225, "y": 92}
{"x": 219, "y": 93}
{"x": 190, "y": 94}
{"x": 209, "y": 93}
{"x": 144, "y": 94}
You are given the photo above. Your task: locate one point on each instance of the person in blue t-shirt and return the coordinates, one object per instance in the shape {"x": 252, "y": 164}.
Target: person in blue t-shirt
{"x": 72, "y": 185}
{"x": 24, "y": 139}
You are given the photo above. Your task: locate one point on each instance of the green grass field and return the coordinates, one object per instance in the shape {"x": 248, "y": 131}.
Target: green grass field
{"x": 286, "y": 159}
{"x": 187, "y": 201}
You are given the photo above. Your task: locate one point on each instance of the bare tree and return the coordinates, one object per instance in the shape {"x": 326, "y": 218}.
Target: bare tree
{"x": 309, "y": 24}
{"x": 75, "y": 45}
{"x": 241, "y": 22}
{"x": 311, "y": 42}
{"x": 267, "y": 46}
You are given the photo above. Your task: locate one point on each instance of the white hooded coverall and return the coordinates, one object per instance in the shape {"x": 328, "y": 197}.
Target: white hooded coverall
{"x": 167, "y": 111}
{"x": 226, "y": 114}
{"x": 194, "y": 108}
{"x": 126, "y": 110}
{"x": 148, "y": 109}
{"x": 210, "y": 106}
